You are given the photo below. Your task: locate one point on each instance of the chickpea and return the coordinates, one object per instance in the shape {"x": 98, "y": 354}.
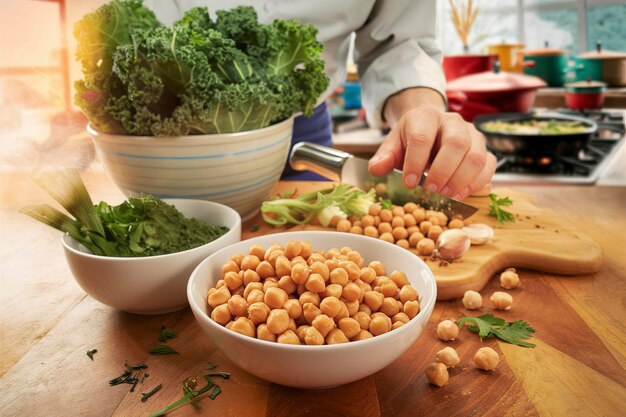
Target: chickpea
{"x": 316, "y": 257}
{"x": 390, "y": 306}
{"x": 501, "y": 300}
{"x": 425, "y": 247}
{"x": 321, "y": 269}
{"x": 306, "y": 249}
{"x": 283, "y": 266}
{"x": 434, "y": 220}
{"x": 257, "y": 251}
{"x": 237, "y": 259}
{"x": 288, "y": 337}
{"x": 286, "y": 284}
{"x": 275, "y": 297}
{"x": 443, "y": 219}
{"x": 312, "y": 336}
{"x": 221, "y": 283}
{"x": 250, "y": 262}
{"x": 221, "y": 314}
{"x": 310, "y": 297}
{"x": 374, "y": 210}
{"x": 378, "y": 325}
{"x": 448, "y": 357}
{"x": 258, "y": 312}
{"x": 419, "y": 214}
{"x": 357, "y": 230}
{"x": 219, "y": 297}
{"x": 397, "y": 222}
{"x": 384, "y": 227}
{"x": 456, "y": 224}
{"x": 364, "y": 288}
{"x": 407, "y": 293}
{"x": 351, "y": 306}
{"x": 336, "y": 336}
{"x": 300, "y": 332}
{"x": 403, "y": 243}
{"x": 263, "y": 333}
{"x": 344, "y": 225}
{"x": 386, "y": 215}
{"x": 409, "y": 220}
{"x": 367, "y": 220}
{"x": 323, "y": 323}
{"x": 351, "y": 291}
{"x": 252, "y": 286}
{"x": 389, "y": 289}
{"x": 425, "y": 226}
{"x": 356, "y": 258}
{"x": 310, "y": 311}
{"x": 363, "y": 334}
{"x": 272, "y": 253}
{"x": 370, "y": 231}
{"x": 230, "y": 266}
{"x": 409, "y": 207}
{"x": 339, "y": 276}
{"x": 315, "y": 283}
{"x": 293, "y": 307}
{"x": 365, "y": 309}
{"x": 411, "y": 308}
{"x": 238, "y": 291}
{"x": 380, "y": 188}
{"x": 373, "y": 299}
{"x": 396, "y": 325}
{"x": 333, "y": 290}
{"x": 265, "y": 269}
{"x": 472, "y": 300}
{"x": 400, "y": 317}
{"x": 237, "y": 305}
{"x": 486, "y": 358}
{"x": 399, "y": 233}
{"x": 437, "y": 374}
{"x": 331, "y": 264}
{"x": 434, "y": 232}
{"x": 293, "y": 248}
{"x": 447, "y": 330}
{"x": 233, "y": 280}
{"x": 353, "y": 270}
{"x": 412, "y": 229}
{"x": 368, "y": 274}
{"x": 330, "y": 306}
{"x": 363, "y": 319}
{"x": 250, "y": 275}
{"x": 414, "y": 238}
{"x": 349, "y": 326}
{"x": 399, "y": 278}
{"x": 270, "y": 283}
{"x": 509, "y": 280}
{"x": 343, "y": 312}
{"x": 387, "y": 237}
{"x": 243, "y": 326}
{"x": 300, "y": 273}
{"x": 278, "y": 321}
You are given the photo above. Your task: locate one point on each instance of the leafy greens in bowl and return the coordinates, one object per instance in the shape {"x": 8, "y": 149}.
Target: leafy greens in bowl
{"x": 200, "y": 76}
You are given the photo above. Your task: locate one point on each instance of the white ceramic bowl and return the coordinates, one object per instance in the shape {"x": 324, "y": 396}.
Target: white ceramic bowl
{"x": 150, "y": 284}
{"x": 315, "y": 366}
{"x": 235, "y": 169}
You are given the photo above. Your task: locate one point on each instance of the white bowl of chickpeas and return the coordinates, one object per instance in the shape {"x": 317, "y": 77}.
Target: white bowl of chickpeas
{"x": 312, "y": 309}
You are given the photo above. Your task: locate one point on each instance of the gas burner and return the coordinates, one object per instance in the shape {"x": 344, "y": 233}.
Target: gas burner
{"x": 583, "y": 168}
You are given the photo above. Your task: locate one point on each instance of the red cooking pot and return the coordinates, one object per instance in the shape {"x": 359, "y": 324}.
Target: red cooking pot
{"x": 584, "y": 95}
{"x": 456, "y": 66}
{"x": 492, "y": 92}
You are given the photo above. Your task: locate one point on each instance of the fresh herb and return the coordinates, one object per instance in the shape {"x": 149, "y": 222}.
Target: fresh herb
{"x": 162, "y": 350}
{"x": 146, "y": 395}
{"x": 342, "y": 200}
{"x": 386, "y": 204}
{"x": 495, "y": 208}
{"x": 210, "y": 366}
{"x": 255, "y": 227}
{"x": 166, "y": 334}
{"x": 198, "y": 76}
{"x": 191, "y": 394}
{"x": 141, "y": 226}
{"x": 131, "y": 375}
{"x": 90, "y": 353}
{"x": 488, "y": 325}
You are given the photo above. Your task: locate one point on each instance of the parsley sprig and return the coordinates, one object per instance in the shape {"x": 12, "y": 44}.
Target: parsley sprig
{"x": 495, "y": 208}
{"x": 488, "y": 325}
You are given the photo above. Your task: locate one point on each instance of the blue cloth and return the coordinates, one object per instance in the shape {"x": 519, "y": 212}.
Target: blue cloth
{"x": 317, "y": 129}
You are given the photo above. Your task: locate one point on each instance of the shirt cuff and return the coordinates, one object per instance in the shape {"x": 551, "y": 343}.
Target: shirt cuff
{"x": 405, "y": 66}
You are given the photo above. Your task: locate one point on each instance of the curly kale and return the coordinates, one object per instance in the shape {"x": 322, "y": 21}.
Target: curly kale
{"x": 200, "y": 76}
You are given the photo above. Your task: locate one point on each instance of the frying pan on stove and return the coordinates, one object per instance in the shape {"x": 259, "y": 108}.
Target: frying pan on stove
{"x": 535, "y": 144}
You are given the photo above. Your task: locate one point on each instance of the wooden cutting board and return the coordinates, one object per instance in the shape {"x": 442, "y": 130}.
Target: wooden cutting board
{"x": 539, "y": 239}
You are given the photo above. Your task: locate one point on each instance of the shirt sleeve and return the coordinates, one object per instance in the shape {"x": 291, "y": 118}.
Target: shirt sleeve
{"x": 397, "y": 49}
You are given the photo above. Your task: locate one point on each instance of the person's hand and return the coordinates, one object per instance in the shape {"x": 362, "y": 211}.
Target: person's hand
{"x": 452, "y": 150}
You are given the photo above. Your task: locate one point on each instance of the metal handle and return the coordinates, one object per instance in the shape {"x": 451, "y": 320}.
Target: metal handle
{"x": 325, "y": 161}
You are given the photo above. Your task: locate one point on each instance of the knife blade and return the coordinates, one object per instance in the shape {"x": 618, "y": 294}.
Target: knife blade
{"x": 343, "y": 167}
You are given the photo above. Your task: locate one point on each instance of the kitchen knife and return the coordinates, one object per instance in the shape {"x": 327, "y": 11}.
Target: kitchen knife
{"x": 343, "y": 167}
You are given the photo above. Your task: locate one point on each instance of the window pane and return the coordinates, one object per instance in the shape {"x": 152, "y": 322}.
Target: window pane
{"x": 557, "y": 27}
{"x": 489, "y": 28}
{"x": 606, "y": 23}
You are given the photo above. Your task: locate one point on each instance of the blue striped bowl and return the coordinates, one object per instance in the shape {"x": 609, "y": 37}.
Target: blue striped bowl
{"x": 235, "y": 169}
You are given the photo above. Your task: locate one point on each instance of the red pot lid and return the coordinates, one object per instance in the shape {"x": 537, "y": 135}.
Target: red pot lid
{"x": 493, "y": 82}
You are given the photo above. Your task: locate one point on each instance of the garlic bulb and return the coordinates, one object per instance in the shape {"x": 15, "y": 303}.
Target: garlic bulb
{"x": 453, "y": 244}
{"x": 479, "y": 233}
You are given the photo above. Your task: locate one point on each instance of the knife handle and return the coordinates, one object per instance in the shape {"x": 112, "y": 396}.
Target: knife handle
{"x": 325, "y": 161}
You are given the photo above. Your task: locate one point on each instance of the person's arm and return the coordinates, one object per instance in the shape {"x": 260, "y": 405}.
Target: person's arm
{"x": 403, "y": 85}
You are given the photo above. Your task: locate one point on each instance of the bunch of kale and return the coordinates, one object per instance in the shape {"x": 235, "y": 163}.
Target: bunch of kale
{"x": 200, "y": 76}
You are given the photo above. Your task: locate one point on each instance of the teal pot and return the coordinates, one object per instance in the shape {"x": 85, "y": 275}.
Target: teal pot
{"x": 599, "y": 65}
{"x": 547, "y": 64}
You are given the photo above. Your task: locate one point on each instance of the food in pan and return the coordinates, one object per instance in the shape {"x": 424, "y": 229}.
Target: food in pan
{"x": 535, "y": 127}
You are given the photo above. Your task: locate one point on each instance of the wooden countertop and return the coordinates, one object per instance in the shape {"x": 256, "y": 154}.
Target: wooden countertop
{"x": 48, "y": 323}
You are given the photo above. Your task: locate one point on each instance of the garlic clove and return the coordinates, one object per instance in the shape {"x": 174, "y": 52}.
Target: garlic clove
{"x": 453, "y": 244}
{"x": 479, "y": 233}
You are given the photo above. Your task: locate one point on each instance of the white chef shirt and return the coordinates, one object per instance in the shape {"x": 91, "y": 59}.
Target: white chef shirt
{"x": 395, "y": 46}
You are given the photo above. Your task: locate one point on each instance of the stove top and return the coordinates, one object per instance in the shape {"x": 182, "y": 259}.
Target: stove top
{"x": 584, "y": 168}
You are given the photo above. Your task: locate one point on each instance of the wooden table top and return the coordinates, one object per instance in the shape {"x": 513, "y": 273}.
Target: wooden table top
{"x": 48, "y": 323}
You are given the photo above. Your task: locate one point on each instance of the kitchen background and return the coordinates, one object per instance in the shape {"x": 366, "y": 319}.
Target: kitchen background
{"x": 39, "y": 124}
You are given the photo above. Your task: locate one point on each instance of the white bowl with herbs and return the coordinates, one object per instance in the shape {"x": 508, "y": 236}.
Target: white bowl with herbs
{"x": 136, "y": 256}
{"x": 201, "y": 109}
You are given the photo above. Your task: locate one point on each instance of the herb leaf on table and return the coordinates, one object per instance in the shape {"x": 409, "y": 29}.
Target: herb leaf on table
{"x": 488, "y": 325}
{"x": 495, "y": 208}
{"x": 166, "y": 334}
{"x": 162, "y": 350}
